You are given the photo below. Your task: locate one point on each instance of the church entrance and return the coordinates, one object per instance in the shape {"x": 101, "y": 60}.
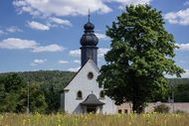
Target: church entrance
{"x": 91, "y": 104}
{"x": 91, "y": 110}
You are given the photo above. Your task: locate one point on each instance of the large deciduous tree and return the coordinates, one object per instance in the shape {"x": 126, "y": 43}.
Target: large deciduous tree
{"x": 142, "y": 52}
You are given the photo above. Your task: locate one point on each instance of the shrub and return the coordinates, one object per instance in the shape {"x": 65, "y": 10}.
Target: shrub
{"x": 162, "y": 108}
{"x": 180, "y": 112}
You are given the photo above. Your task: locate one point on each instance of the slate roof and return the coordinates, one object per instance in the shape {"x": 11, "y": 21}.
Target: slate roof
{"x": 92, "y": 100}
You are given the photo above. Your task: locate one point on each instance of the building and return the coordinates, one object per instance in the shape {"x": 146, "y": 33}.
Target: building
{"x": 83, "y": 94}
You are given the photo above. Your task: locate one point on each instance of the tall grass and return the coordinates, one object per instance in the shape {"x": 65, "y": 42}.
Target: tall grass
{"x": 153, "y": 119}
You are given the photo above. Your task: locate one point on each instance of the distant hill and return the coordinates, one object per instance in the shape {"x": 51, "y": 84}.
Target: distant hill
{"x": 63, "y": 77}
{"x": 177, "y": 81}
{"x": 55, "y": 78}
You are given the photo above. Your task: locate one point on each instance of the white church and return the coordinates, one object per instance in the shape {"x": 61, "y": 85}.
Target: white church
{"x": 83, "y": 94}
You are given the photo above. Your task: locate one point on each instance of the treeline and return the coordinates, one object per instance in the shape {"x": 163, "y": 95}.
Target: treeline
{"x": 45, "y": 88}
{"x": 180, "y": 88}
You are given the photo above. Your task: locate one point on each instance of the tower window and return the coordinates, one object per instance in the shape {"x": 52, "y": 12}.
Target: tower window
{"x": 79, "y": 95}
{"x": 102, "y": 95}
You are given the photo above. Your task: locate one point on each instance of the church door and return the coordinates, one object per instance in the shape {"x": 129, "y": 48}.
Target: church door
{"x": 91, "y": 110}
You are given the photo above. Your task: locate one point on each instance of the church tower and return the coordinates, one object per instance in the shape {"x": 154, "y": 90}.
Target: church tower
{"x": 83, "y": 94}
{"x": 88, "y": 43}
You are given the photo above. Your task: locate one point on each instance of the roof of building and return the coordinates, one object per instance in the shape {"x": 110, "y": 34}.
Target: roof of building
{"x": 89, "y": 38}
{"x": 92, "y": 100}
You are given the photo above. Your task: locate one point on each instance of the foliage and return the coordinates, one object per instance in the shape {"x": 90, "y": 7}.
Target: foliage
{"x": 142, "y": 52}
{"x": 181, "y": 93}
{"x": 180, "y": 112}
{"x": 45, "y": 88}
{"x": 10, "y": 86}
{"x": 150, "y": 119}
{"x": 37, "y": 101}
{"x": 162, "y": 108}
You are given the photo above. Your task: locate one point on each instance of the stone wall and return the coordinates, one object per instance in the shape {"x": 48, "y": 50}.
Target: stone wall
{"x": 174, "y": 107}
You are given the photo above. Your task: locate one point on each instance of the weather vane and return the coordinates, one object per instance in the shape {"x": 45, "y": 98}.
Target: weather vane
{"x": 89, "y": 15}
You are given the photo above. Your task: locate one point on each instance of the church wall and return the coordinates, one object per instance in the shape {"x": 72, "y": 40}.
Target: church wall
{"x": 86, "y": 86}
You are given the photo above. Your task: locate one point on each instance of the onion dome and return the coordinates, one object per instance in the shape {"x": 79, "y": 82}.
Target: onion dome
{"x": 89, "y": 38}
{"x": 89, "y": 26}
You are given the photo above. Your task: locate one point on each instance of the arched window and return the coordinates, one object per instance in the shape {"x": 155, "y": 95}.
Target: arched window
{"x": 102, "y": 95}
{"x": 79, "y": 95}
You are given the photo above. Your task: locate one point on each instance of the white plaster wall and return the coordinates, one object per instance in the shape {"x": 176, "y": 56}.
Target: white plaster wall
{"x": 86, "y": 86}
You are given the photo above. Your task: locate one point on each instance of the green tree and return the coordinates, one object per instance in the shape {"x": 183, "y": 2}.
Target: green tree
{"x": 182, "y": 93}
{"x": 37, "y": 101}
{"x": 10, "y": 87}
{"x": 142, "y": 52}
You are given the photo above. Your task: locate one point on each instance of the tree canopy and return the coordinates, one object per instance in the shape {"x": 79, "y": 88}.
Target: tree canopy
{"x": 44, "y": 90}
{"x": 142, "y": 52}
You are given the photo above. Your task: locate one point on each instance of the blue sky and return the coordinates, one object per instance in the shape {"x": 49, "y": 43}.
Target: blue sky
{"x": 45, "y": 34}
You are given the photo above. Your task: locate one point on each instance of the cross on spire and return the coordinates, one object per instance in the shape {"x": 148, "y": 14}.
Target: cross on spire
{"x": 89, "y": 15}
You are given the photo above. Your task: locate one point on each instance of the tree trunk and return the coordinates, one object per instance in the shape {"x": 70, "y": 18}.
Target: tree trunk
{"x": 138, "y": 107}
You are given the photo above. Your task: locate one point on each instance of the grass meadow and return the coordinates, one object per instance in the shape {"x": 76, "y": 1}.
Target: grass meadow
{"x": 153, "y": 119}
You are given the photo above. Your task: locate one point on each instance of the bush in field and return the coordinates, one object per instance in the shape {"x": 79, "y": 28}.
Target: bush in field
{"x": 180, "y": 112}
{"x": 161, "y": 108}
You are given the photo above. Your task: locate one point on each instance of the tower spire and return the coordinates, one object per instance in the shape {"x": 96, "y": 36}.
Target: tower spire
{"x": 89, "y": 15}
{"x": 88, "y": 43}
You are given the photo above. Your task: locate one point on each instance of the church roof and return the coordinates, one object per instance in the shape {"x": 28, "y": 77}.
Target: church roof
{"x": 92, "y": 100}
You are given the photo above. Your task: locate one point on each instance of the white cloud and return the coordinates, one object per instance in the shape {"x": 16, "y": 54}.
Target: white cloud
{"x": 77, "y": 52}
{"x": 38, "y": 26}
{"x": 60, "y": 7}
{"x": 63, "y": 62}
{"x": 102, "y": 52}
{"x": 184, "y": 75}
{"x": 77, "y": 61}
{"x": 61, "y": 21}
{"x": 13, "y": 29}
{"x": 183, "y": 47}
{"x": 17, "y": 43}
{"x": 181, "y": 17}
{"x": 38, "y": 62}
{"x": 74, "y": 69}
{"x": 186, "y": 3}
{"x": 48, "y": 48}
{"x": 102, "y": 36}
{"x": 2, "y": 32}
{"x": 128, "y": 2}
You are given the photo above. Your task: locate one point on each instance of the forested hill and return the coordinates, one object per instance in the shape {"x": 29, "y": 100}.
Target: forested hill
{"x": 45, "y": 88}
{"x": 175, "y": 81}
{"x": 45, "y": 77}
{"x": 63, "y": 77}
